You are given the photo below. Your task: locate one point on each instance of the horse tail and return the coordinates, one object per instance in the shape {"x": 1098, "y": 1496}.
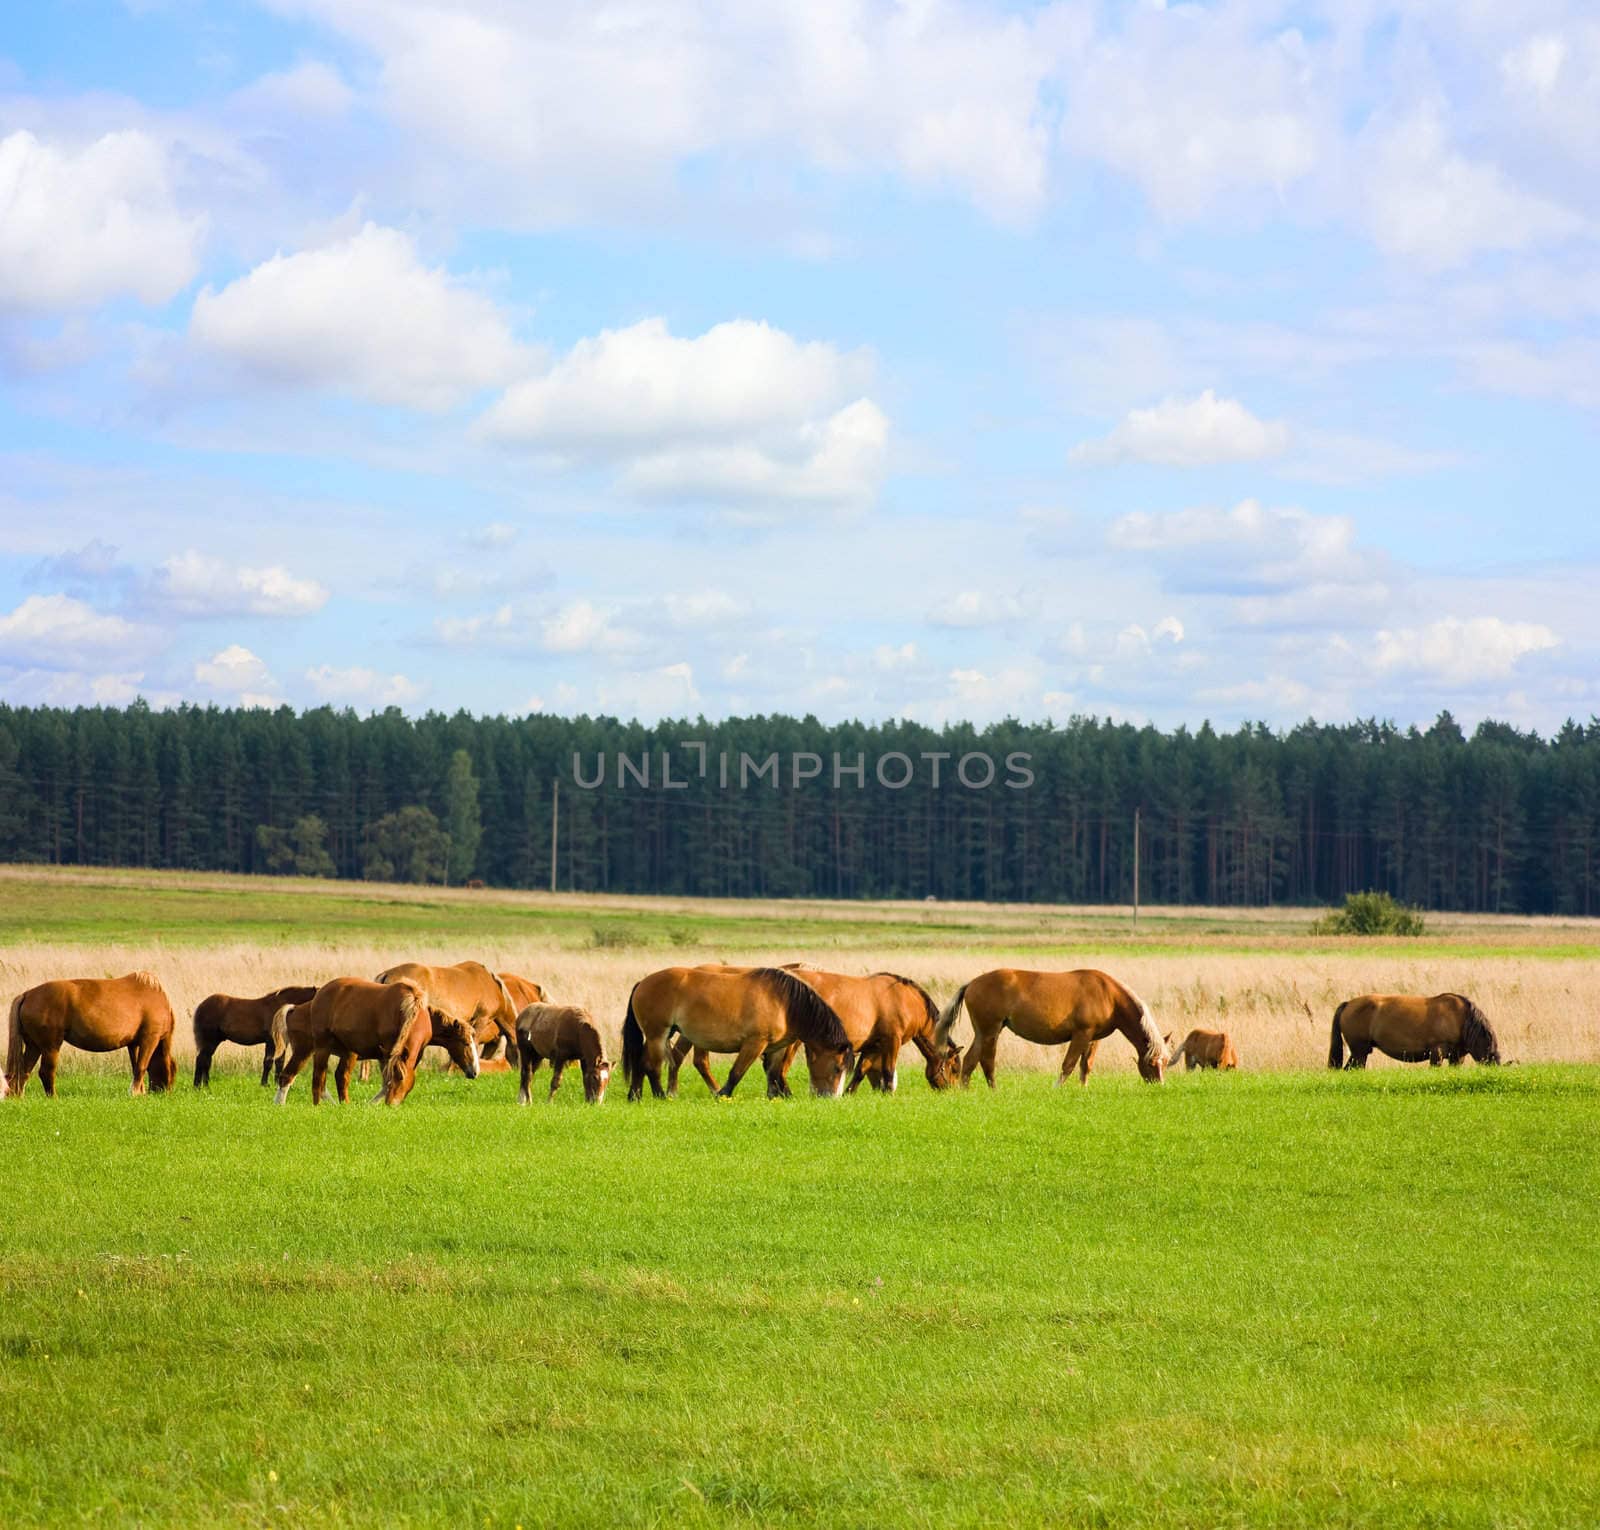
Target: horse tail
{"x": 15, "y": 1046}
{"x": 632, "y": 1045}
{"x": 948, "y": 1017}
{"x": 1336, "y": 1041}
{"x": 278, "y": 1032}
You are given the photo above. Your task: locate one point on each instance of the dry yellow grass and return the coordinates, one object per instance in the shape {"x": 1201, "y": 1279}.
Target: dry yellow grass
{"x": 1277, "y": 1008}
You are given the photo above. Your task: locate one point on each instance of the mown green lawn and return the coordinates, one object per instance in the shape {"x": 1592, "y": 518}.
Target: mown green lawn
{"x": 1249, "y": 1300}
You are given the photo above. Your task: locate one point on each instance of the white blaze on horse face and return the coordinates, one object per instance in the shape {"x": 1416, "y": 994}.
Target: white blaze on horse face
{"x": 476, "y": 1055}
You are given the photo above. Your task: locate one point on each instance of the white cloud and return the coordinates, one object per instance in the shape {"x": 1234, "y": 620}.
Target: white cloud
{"x": 581, "y": 627}
{"x": 976, "y": 608}
{"x": 887, "y": 657}
{"x": 743, "y": 411}
{"x": 362, "y": 316}
{"x": 1193, "y": 105}
{"x": 1458, "y": 651}
{"x": 1250, "y": 550}
{"x": 1428, "y": 203}
{"x": 1188, "y": 433}
{"x": 195, "y": 584}
{"x": 81, "y": 225}
{"x": 236, "y": 674}
{"x": 362, "y": 685}
{"x": 649, "y": 694}
{"x": 704, "y": 608}
{"x": 553, "y": 112}
{"x": 310, "y": 89}
{"x": 59, "y": 632}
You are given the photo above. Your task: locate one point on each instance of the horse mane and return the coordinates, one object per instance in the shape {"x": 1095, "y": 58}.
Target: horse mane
{"x": 146, "y": 979}
{"x": 1154, "y": 1042}
{"x": 1476, "y": 1033}
{"x": 811, "y": 1018}
{"x": 921, "y": 992}
{"x": 413, "y": 1012}
{"x": 591, "y": 1046}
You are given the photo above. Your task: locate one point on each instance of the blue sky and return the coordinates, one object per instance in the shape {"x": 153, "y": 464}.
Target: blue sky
{"x": 946, "y": 360}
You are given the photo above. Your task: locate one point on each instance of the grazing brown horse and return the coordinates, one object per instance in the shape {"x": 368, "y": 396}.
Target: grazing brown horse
{"x": 753, "y": 1013}
{"x": 246, "y": 1022}
{"x": 559, "y": 1034}
{"x": 1412, "y": 1028}
{"x": 880, "y": 1014}
{"x": 96, "y": 1015}
{"x": 1079, "y": 1008}
{"x": 1203, "y": 1049}
{"x": 389, "y": 1023}
{"x": 467, "y": 988}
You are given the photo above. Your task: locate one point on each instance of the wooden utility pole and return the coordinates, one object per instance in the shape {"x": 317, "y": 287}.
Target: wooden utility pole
{"x": 1136, "y": 866}
{"x": 555, "y": 827}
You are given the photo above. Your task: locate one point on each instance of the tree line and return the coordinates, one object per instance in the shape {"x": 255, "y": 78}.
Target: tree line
{"x": 1501, "y": 820}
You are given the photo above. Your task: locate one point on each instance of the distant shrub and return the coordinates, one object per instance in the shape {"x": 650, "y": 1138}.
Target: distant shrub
{"x": 1370, "y": 913}
{"x": 612, "y": 937}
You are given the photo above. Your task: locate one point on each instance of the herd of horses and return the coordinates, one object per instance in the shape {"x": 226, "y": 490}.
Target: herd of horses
{"x": 849, "y": 1027}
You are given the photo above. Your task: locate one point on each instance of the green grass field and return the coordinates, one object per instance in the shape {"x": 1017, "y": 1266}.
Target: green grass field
{"x": 1251, "y": 1300}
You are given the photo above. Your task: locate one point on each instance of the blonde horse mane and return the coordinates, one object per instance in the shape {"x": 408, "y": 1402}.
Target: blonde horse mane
{"x": 1155, "y": 1043}
{"x": 147, "y": 978}
{"x": 413, "y": 1012}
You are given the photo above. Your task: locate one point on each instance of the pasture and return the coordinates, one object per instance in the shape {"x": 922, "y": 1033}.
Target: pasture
{"x": 1282, "y": 1297}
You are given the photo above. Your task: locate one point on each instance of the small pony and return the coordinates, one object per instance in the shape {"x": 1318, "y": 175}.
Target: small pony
{"x": 559, "y": 1034}
{"x": 1203, "y": 1049}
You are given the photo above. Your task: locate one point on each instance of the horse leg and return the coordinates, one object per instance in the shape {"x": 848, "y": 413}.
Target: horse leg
{"x": 1435, "y": 1057}
{"x": 741, "y": 1065}
{"x": 855, "y": 1078}
{"x": 774, "y": 1063}
{"x": 679, "y": 1050}
{"x": 1358, "y": 1057}
{"x": 202, "y": 1061}
{"x": 702, "y": 1066}
{"x": 556, "y": 1070}
{"x": 287, "y": 1074}
{"x": 341, "y": 1077}
{"x": 266, "y": 1065}
{"x": 364, "y": 1072}
{"x": 1070, "y": 1061}
{"x": 530, "y": 1066}
{"x": 1087, "y": 1062}
{"x": 19, "y": 1080}
{"x": 987, "y": 1045}
{"x": 138, "y": 1060}
{"x": 319, "y": 1074}
{"x": 655, "y": 1054}
{"x": 47, "y": 1070}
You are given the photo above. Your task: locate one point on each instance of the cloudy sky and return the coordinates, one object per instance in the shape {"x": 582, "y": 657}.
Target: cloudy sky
{"x": 943, "y": 359}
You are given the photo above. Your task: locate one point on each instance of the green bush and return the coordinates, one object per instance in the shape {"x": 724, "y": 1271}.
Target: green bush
{"x": 1370, "y": 913}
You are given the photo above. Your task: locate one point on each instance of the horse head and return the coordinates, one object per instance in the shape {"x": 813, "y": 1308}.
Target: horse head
{"x": 596, "y": 1075}
{"x": 460, "y": 1040}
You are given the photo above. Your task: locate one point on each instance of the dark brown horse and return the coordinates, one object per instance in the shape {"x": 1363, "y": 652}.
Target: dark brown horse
{"x": 753, "y": 1013}
{"x": 1080, "y": 1008}
{"x": 245, "y": 1022}
{"x": 559, "y": 1034}
{"x": 1411, "y": 1028}
{"x": 96, "y": 1015}
{"x": 350, "y": 1018}
{"x": 524, "y": 991}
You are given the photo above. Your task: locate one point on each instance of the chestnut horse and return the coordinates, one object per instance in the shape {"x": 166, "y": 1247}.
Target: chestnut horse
{"x": 881, "y": 1013}
{"x": 389, "y": 1023}
{"x": 466, "y": 988}
{"x": 754, "y": 1013}
{"x": 95, "y": 1015}
{"x": 1079, "y": 1008}
{"x": 559, "y": 1034}
{"x": 245, "y": 1022}
{"x": 1412, "y": 1028}
{"x": 1203, "y": 1049}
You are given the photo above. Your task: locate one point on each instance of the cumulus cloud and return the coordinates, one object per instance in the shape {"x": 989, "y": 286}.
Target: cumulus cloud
{"x": 743, "y": 411}
{"x": 976, "y": 608}
{"x": 1461, "y": 652}
{"x": 61, "y": 632}
{"x": 362, "y": 316}
{"x": 703, "y": 608}
{"x": 360, "y": 685}
{"x": 1188, "y": 433}
{"x": 195, "y": 584}
{"x": 581, "y": 627}
{"x": 80, "y": 225}
{"x": 649, "y": 694}
{"x": 239, "y": 676}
